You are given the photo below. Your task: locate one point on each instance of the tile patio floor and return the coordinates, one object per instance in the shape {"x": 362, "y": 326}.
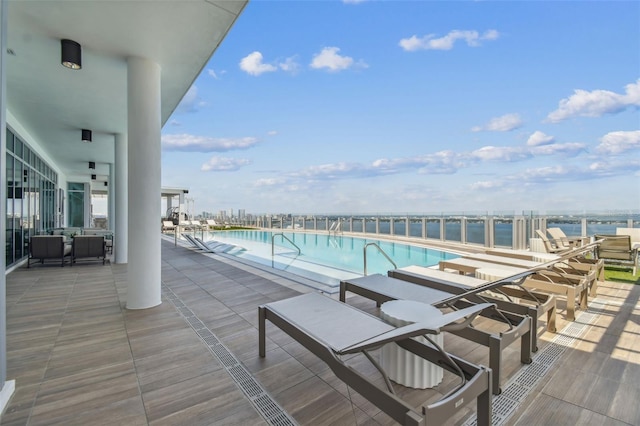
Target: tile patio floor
{"x": 80, "y": 358}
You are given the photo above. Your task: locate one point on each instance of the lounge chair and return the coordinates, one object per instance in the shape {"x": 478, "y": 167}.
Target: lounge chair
{"x": 561, "y": 239}
{"x": 523, "y": 254}
{"x": 563, "y": 281}
{"x": 551, "y": 246}
{"x": 634, "y": 233}
{"x": 48, "y": 247}
{"x": 617, "y": 250}
{"x": 209, "y": 246}
{"x": 531, "y": 303}
{"x": 168, "y": 225}
{"x": 196, "y": 224}
{"x": 380, "y": 289}
{"x": 573, "y": 260}
{"x": 215, "y": 246}
{"x": 211, "y": 223}
{"x": 330, "y": 329}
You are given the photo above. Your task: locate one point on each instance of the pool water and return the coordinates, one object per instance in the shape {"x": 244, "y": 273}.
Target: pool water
{"x": 323, "y": 257}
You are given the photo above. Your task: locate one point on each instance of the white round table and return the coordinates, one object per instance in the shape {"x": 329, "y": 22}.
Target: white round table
{"x": 402, "y": 366}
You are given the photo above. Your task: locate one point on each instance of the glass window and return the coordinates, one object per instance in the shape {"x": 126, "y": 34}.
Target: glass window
{"x": 17, "y": 147}
{"x": 9, "y": 141}
{"x": 76, "y": 208}
{"x": 31, "y": 194}
{"x": 10, "y": 216}
{"x": 74, "y": 186}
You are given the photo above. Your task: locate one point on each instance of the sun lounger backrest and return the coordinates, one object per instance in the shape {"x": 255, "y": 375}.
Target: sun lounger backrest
{"x": 634, "y": 233}
{"x": 616, "y": 247}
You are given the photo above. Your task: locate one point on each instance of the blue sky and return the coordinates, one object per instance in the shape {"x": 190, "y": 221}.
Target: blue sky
{"x": 415, "y": 107}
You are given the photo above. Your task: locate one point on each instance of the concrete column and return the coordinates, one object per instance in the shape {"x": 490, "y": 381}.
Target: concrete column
{"x": 120, "y": 189}
{"x": 144, "y": 187}
{"x": 111, "y": 210}
{"x": 87, "y": 205}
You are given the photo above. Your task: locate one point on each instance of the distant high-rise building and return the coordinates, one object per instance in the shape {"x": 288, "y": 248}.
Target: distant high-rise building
{"x": 241, "y": 214}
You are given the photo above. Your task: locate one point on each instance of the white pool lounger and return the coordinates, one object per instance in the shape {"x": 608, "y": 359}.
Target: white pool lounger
{"x": 329, "y": 329}
{"x": 381, "y": 289}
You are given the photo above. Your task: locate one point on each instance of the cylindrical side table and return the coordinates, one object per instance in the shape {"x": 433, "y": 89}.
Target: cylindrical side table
{"x": 402, "y": 366}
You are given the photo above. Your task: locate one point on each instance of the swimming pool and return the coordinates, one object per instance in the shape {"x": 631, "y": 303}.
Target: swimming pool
{"x": 323, "y": 257}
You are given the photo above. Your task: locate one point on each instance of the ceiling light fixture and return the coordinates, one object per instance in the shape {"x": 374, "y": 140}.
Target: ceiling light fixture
{"x": 71, "y": 54}
{"x": 92, "y": 165}
{"x": 86, "y": 135}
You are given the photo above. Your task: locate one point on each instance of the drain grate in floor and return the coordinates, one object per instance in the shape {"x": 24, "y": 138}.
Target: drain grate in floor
{"x": 261, "y": 400}
{"x": 523, "y": 383}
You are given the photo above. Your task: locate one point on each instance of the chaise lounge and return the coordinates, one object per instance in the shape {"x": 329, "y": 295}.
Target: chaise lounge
{"x": 330, "y": 329}
{"x": 380, "y": 289}
{"x": 617, "y": 250}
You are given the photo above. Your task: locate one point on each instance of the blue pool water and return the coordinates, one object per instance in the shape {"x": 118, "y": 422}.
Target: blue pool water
{"x": 323, "y": 257}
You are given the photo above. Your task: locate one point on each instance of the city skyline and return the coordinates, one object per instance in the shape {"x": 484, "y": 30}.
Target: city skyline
{"x": 364, "y": 107}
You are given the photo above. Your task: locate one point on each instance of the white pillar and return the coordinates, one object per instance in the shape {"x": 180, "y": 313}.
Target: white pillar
{"x": 144, "y": 123}
{"x": 119, "y": 186}
{"x": 111, "y": 208}
{"x": 87, "y": 205}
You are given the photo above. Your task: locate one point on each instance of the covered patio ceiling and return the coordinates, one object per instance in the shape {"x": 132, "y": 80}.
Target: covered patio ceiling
{"x": 54, "y": 103}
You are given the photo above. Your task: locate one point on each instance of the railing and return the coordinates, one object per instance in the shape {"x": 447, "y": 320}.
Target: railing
{"x": 285, "y": 238}
{"x": 481, "y": 229}
{"x": 364, "y": 249}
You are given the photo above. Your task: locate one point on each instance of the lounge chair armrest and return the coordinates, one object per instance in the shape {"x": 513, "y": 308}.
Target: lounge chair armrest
{"x": 435, "y": 324}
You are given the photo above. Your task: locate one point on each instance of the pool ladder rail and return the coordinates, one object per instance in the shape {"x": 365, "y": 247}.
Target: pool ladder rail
{"x": 381, "y": 251}
{"x": 336, "y": 227}
{"x": 284, "y": 237}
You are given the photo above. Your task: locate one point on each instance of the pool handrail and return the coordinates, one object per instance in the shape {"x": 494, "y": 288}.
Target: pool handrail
{"x": 284, "y": 237}
{"x": 364, "y": 250}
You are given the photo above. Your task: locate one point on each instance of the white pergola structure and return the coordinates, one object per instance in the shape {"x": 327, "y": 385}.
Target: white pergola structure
{"x": 139, "y": 58}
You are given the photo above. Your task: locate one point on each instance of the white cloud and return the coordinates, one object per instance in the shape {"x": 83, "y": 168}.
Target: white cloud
{"x": 571, "y": 148}
{"x": 175, "y": 123}
{"x": 500, "y": 153}
{"x": 272, "y": 132}
{"x": 330, "y": 171}
{"x": 252, "y": 64}
{"x": 441, "y": 162}
{"x": 277, "y": 181}
{"x": 596, "y": 103}
{"x": 212, "y": 73}
{"x": 619, "y": 142}
{"x": 223, "y": 164}
{"x": 505, "y": 123}
{"x": 547, "y": 175}
{"x": 329, "y": 59}
{"x": 290, "y": 65}
{"x": 430, "y": 42}
{"x": 486, "y": 184}
{"x": 538, "y": 138}
{"x": 190, "y": 102}
{"x": 186, "y": 142}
